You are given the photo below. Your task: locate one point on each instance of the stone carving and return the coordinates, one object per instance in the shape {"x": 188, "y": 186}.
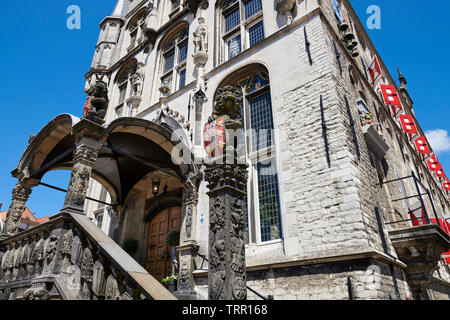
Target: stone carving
{"x": 97, "y": 100}
{"x": 228, "y": 103}
{"x": 112, "y": 289}
{"x": 138, "y": 79}
{"x": 78, "y": 186}
{"x": 98, "y": 280}
{"x": 23, "y": 261}
{"x": 167, "y": 111}
{"x": 87, "y": 265}
{"x": 190, "y": 201}
{"x": 184, "y": 277}
{"x": 201, "y": 36}
{"x": 40, "y": 293}
{"x": 226, "y": 184}
{"x": 51, "y": 248}
{"x": 66, "y": 250}
{"x": 85, "y": 155}
{"x": 284, "y": 7}
{"x": 20, "y": 195}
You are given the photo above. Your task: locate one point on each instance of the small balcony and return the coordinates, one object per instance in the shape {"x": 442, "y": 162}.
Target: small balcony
{"x": 421, "y": 247}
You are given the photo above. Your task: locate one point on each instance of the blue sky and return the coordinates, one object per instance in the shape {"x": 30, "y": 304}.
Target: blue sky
{"x": 43, "y": 67}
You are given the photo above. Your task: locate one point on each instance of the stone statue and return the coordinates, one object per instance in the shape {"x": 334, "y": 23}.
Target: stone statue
{"x": 228, "y": 103}
{"x": 97, "y": 100}
{"x": 138, "y": 80}
{"x": 201, "y": 36}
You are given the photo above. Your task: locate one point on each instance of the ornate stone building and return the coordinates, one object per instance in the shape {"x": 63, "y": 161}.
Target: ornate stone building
{"x": 340, "y": 198}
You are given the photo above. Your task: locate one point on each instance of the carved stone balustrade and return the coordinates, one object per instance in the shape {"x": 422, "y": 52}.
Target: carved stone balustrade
{"x": 69, "y": 258}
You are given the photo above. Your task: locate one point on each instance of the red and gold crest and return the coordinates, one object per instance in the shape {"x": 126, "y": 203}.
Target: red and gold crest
{"x": 87, "y": 106}
{"x": 214, "y": 137}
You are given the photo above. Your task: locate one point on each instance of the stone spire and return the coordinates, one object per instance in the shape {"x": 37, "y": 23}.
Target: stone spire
{"x": 402, "y": 79}
{"x": 119, "y": 10}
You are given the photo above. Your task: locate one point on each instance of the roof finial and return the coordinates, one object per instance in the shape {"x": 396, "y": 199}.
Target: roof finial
{"x": 402, "y": 79}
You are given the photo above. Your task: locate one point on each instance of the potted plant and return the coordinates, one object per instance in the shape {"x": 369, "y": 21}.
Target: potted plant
{"x": 170, "y": 283}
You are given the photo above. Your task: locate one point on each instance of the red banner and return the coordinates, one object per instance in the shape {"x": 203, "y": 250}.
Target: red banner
{"x": 432, "y": 162}
{"x": 214, "y": 137}
{"x": 446, "y": 186}
{"x": 390, "y": 97}
{"x": 408, "y": 124}
{"x": 422, "y": 145}
{"x": 375, "y": 70}
{"x": 440, "y": 173}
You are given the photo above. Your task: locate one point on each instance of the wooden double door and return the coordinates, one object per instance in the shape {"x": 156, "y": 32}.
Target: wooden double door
{"x": 159, "y": 255}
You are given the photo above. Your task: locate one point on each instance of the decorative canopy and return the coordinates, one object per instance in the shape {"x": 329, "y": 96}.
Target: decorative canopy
{"x": 135, "y": 148}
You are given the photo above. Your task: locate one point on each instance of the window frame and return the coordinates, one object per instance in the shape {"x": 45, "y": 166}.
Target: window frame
{"x": 174, "y": 47}
{"x": 241, "y": 29}
{"x": 252, "y": 158}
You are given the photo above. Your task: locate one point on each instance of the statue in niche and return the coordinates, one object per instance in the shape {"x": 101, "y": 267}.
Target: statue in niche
{"x": 201, "y": 36}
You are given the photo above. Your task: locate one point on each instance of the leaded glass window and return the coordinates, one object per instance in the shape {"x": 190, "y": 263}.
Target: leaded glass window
{"x": 232, "y": 20}
{"x": 261, "y": 121}
{"x": 262, "y": 204}
{"x": 175, "y": 55}
{"x": 269, "y": 201}
{"x": 252, "y": 7}
{"x": 242, "y": 26}
{"x": 234, "y": 47}
{"x": 182, "y": 79}
{"x": 256, "y": 34}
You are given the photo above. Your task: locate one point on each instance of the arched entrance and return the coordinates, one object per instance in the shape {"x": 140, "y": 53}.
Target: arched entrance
{"x": 159, "y": 254}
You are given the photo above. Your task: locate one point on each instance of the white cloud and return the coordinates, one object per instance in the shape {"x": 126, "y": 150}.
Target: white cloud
{"x": 439, "y": 140}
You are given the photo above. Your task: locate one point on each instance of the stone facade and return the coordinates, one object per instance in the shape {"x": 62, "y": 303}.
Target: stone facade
{"x": 331, "y": 207}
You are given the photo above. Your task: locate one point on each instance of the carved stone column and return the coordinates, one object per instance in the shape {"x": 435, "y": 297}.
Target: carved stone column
{"x": 20, "y": 196}
{"x": 226, "y": 275}
{"x": 227, "y": 179}
{"x": 89, "y": 137}
{"x": 188, "y": 246}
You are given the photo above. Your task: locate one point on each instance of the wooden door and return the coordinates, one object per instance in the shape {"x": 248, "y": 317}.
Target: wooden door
{"x": 159, "y": 255}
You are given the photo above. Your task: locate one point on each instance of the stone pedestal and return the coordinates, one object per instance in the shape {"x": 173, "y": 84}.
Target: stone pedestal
{"x": 226, "y": 275}
{"x": 90, "y": 138}
{"x": 420, "y": 248}
{"x": 186, "y": 282}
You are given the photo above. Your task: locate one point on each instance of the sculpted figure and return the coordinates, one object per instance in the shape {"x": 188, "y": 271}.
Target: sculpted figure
{"x": 201, "y": 36}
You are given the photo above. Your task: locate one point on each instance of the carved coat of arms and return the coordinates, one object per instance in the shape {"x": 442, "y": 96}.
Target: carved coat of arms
{"x": 214, "y": 137}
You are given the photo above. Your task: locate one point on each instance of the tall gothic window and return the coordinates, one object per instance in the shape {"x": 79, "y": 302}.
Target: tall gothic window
{"x": 174, "y": 57}
{"x": 241, "y": 24}
{"x": 126, "y": 89}
{"x": 263, "y": 208}
{"x": 136, "y": 29}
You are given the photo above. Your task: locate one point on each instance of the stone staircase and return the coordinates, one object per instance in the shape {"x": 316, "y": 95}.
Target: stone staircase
{"x": 70, "y": 258}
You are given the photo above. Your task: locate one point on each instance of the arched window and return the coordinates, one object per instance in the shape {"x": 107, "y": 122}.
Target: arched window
{"x": 136, "y": 28}
{"x": 264, "y": 208}
{"x": 241, "y": 26}
{"x": 126, "y": 89}
{"x": 174, "y": 51}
